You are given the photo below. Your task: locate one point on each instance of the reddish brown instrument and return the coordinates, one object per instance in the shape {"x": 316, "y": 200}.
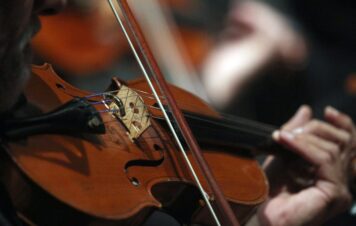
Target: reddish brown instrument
{"x": 81, "y": 41}
{"x": 103, "y": 179}
{"x": 85, "y": 41}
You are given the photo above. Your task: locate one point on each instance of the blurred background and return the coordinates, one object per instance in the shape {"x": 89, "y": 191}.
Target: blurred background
{"x": 256, "y": 59}
{"x": 87, "y": 47}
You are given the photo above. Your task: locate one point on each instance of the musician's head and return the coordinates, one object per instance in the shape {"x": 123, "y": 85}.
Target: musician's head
{"x": 18, "y": 23}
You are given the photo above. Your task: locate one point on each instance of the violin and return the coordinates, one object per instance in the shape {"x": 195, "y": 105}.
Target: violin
{"x": 127, "y": 165}
{"x": 109, "y": 159}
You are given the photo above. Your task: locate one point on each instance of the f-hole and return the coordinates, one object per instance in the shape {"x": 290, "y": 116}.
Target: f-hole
{"x": 143, "y": 163}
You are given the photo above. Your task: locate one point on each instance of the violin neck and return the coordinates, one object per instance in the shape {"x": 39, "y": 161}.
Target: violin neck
{"x": 234, "y": 134}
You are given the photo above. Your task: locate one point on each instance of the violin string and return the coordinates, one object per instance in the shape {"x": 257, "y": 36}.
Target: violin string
{"x": 115, "y": 120}
{"x": 170, "y": 125}
{"x": 249, "y": 131}
{"x": 143, "y": 93}
{"x": 237, "y": 128}
{"x": 234, "y": 118}
{"x": 236, "y": 124}
{"x": 243, "y": 125}
{"x": 109, "y": 111}
{"x": 136, "y": 106}
{"x": 107, "y": 101}
{"x": 227, "y": 117}
{"x": 229, "y": 122}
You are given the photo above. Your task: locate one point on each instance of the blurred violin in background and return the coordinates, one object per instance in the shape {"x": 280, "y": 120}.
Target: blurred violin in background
{"x": 84, "y": 37}
{"x": 81, "y": 39}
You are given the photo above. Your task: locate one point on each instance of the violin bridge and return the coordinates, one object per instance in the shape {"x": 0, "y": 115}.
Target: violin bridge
{"x": 129, "y": 107}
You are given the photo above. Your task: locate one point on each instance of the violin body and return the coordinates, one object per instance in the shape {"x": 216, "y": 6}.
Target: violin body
{"x": 112, "y": 179}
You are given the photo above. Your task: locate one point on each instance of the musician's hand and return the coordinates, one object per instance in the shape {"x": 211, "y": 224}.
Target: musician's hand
{"x": 310, "y": 192}
{"x": 256, "y": 37}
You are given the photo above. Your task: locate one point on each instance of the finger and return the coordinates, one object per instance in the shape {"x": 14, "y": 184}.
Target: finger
{"x": 326, "y": 131}
{"x": 302, "y": 116}
{"x": 331, "y": 149}
{"x": 311, "y": 148}
{"x": 338, "y": 119}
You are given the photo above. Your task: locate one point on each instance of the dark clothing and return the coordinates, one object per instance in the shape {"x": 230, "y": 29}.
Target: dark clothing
{"x": 7, "y": 214}
{"x": 331, "y": 29}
